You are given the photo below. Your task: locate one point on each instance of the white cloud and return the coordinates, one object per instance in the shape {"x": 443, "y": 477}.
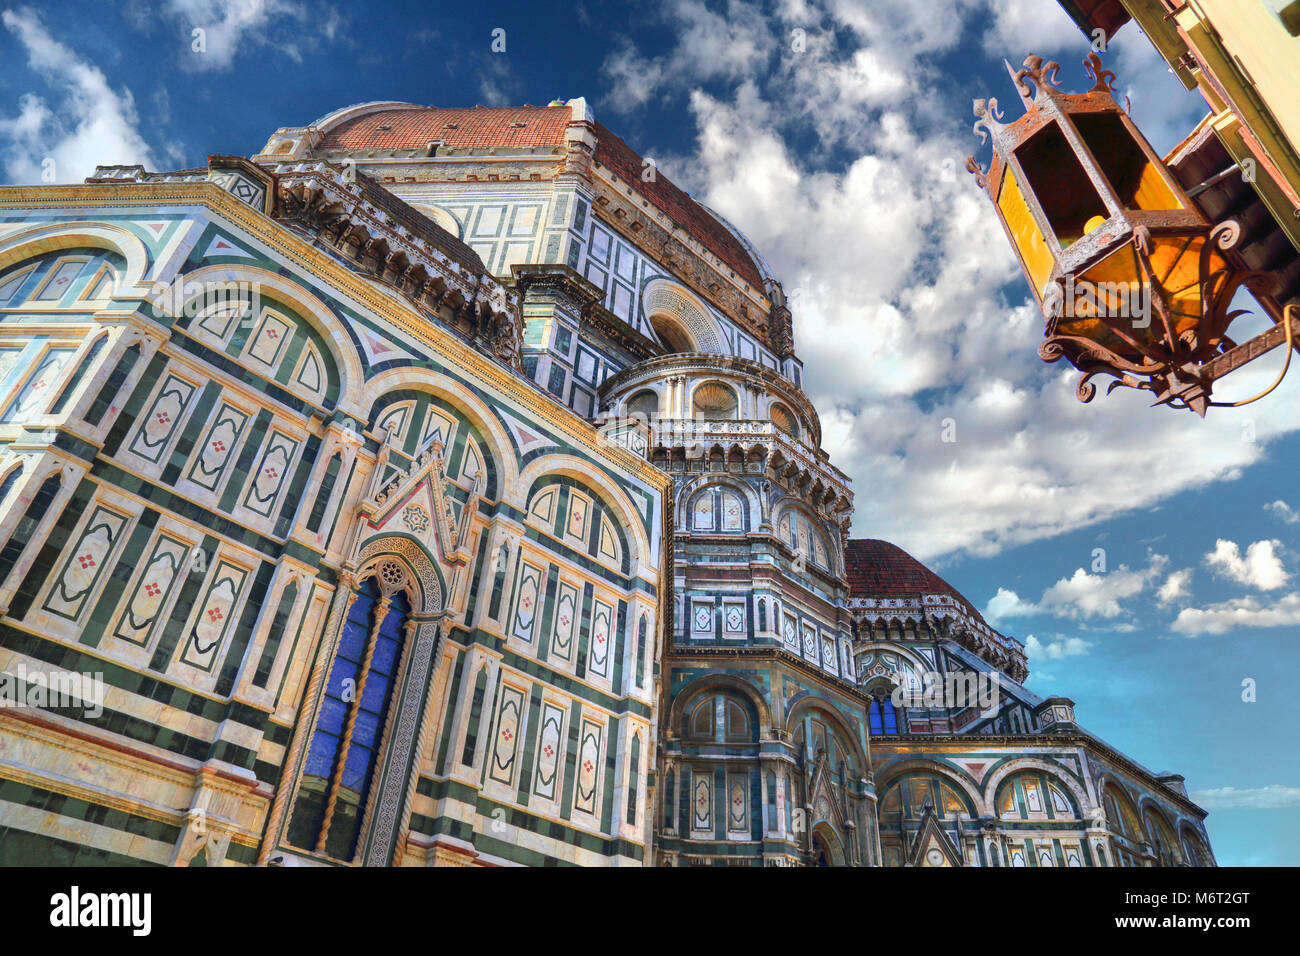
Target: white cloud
{"x": 1037, "y": 650}
{"x": 1283, "y": 511}
{"x": 843, "y": 164}
{"x": 1261, "y": 567}
{"x": 229, "y": 26}
{"x": 1007, "y": 603}
{"x": 711, "y": 45}
{"x": 1083, "y": 595}
{"x": 1272, "y": 797}
{"x": 89, "y": 124}
{"x": 1238, "y": 614}
{"x": 1177, "y": 587}
{"x": 1094, "y": 595}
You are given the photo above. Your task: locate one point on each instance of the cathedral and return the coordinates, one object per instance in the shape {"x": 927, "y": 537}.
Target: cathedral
{"x": 438, "y": 487}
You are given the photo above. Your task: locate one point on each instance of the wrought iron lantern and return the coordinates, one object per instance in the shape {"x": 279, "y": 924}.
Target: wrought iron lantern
{"x": 1133, "y": 281}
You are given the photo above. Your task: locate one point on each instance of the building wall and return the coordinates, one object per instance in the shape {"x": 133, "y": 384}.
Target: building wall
{"x": 183, "y": 525}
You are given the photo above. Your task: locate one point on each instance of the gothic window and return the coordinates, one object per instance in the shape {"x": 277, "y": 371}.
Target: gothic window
{"x": 640, "y": 651}
{"x": 60, "y": 279}
{"x": 633, "y": 778}
{"x": 11, "y": 283}
{"x": 1122, "y": 820}
{"x": 883, "y": 717}
{"x": 670, "y": 800}
{"x": 1161, "y": 837}
{"x": 578, "y": 517}
{"x": 907, "y": 799}
{"x": 278, "y": 625}
{"x": 1193, "y": 848}
{"x": 341, "y": 758}
{"x": 10, "y": 480}
{"x": 762, "y": 614}
{"x": 325, "y": 492}
{"x": 475, "y": 715}
{"x": 718, "y": 508}
{"x": 499, "y": 581}
{"x": 804, "y": 536}
{"x": 1033, "y": 795}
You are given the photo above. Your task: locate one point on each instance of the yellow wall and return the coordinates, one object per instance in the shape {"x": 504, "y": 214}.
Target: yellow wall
{"x": 1252, "y": 33}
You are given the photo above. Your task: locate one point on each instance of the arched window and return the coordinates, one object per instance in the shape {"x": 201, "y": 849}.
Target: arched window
{"x": 762, "y": 614}
{"x": 883, "y": 717}
{"x": 1032, "y": 795}
{"x": 804, "y": 536}
{"x": 640, "y": 651}
{"x": 1162, "y": 836}
{"x": 344, "y": 749}
{"x": 499, "y": 581}
{"x": 633, "y": 778}
{"x": 28, "y": 523}
{"x": 644, "y": 405}
{"x": 909, "y": 797}
{"x": 720, "y": 717}
{"x": 718, "y": 508}
{"x": 737, "y": 721}
{"x": 11, "y": 479}
{"x": 714, "y": 402}
{"x": 700, "y": 722}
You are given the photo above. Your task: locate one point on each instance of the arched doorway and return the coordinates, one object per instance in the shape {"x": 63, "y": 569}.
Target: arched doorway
{"x": 827, "y": 850}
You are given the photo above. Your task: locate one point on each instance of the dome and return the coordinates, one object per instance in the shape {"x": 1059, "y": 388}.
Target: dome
{"x": 878, "y": 569}
{"x": 403, "y": 126}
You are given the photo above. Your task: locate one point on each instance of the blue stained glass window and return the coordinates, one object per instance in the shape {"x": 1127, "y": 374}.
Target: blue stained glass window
{"x": 362, "y": 738}
{"x": 320, "y": 761}
{"x": 883, "y": 717}
{"x": 385, "y": 657}
{"x": 891, "y": 717}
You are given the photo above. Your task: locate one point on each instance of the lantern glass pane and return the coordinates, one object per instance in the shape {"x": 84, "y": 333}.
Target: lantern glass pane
{"x": 1035, "y": 255}
{"x": 1058, "y": 181}
{"x": 1137, "y": 181}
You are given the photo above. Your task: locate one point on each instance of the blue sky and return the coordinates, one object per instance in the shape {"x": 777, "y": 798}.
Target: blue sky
{"x": 833, "y": 134}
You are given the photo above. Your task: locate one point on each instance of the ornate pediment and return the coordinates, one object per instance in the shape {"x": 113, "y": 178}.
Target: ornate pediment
{"x": 420, "y": 503}
{"x": 931, "y": 846}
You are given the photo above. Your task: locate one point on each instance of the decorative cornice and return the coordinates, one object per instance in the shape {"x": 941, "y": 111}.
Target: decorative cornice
{"x": 323, "y": 267}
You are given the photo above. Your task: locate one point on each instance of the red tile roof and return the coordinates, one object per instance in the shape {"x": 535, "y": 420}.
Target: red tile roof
{"x": 533, "y": 126}
{"x": 480, "y": 127}
{"x": 624, "y": 161}
{"x": 1088, "y": 15}
{"x": 878, "y": 569}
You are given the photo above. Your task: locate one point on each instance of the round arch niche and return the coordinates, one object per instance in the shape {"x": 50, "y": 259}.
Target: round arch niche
{"x": 679, "y": 319}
